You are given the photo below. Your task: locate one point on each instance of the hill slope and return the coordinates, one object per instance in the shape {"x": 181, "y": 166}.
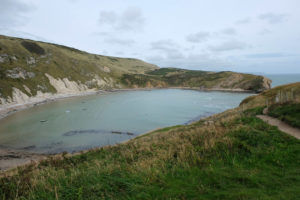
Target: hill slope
{"x": 33, "y": 67}
{"x": 280, "y": 94}
{"x": 38, "y": 69}
{"x": 173, "y": 77}
{"x": 231, "y": 155}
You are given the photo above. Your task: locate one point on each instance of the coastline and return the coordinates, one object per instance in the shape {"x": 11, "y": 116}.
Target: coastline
{"x": 8, "y": 109}
{"x": 12, "y": 158}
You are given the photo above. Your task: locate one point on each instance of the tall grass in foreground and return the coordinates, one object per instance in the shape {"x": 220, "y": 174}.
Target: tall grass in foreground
{"x": 236, "y": 157}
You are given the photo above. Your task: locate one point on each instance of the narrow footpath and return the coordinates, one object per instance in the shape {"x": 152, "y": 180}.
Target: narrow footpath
{"x": 284, "y": 127}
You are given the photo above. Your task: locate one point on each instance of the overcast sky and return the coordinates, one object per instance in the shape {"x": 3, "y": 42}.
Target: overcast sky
{"x": 261, "y": 36}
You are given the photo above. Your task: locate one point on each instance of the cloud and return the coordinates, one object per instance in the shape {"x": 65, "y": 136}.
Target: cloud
{"x": 101, "y": 33}
{"x": 164, "y": 45}
{"x": 119, "y": 53}
{"x": 243, "y": 21}
{"x": 190, "y": 61}
{"x": 174, "y": 55}
{"x": 267, "y": 55}
{"x": 108, "y": 17}
{"x": 273, "y": 18}
{"x": 118, "y": 41}
{"x": 203, "y": 36}
{"x": 198, "y": 37}
{"x": 130, "y": 19}
{"x": 228, "y": 46}
{"x": 265, "y": 32}
{"x": 229, "y": 31}
{"x": 168, "y": 48}
{"x": 13, "y": 13}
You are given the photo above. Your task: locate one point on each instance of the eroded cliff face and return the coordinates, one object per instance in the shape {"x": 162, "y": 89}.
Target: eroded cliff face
{"x": 31, "y": 69}
{"x": 64, "y": 88}
{"x": 266, "y": 85}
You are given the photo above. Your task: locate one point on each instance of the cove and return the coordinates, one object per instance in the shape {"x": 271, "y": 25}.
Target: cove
{"x": 93, "y": 121}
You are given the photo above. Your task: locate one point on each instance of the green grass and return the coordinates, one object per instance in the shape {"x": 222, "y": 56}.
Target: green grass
{"x": 280, "y": 94}
{"x": 60, "y": 62}
{"x": 164, "y": 71}
{"x": 240, "y": 157}
{"x": 288, "y": 112}
{"x": 173, "y": 77}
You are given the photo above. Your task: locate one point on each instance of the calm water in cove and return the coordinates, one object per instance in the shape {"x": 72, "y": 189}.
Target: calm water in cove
{"x": 85, "y": 122}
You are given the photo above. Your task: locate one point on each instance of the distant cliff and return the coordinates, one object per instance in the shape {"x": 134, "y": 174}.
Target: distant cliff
{"x": 173, "y": 77}
{"x": 34, "y": 71}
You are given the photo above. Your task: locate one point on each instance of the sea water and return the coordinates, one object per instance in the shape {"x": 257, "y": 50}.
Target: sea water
{"x": 92, "y": 121}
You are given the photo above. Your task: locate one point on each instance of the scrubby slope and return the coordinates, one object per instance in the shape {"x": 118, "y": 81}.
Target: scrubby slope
{"x": 24, "y": 64}
{"x": 231, "y": 155}
{"x": 172, "y": 77}
{"x": 280, "y": 94}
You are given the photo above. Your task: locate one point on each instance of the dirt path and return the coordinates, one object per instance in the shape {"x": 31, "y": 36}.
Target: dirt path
{"x": 284, "y": 127}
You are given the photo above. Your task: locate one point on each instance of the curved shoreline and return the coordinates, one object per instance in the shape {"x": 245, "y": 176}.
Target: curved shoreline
{"x": 12, "y": 158}
{"x": 9, "y": 109}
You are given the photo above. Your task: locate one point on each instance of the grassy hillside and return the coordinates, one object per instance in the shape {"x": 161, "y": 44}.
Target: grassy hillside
{"x": 172, "y": 77}
{"x": 281, "y": 94}
{"x": 231, "y": 155}
{"x": 25, "y": 63}
{"x": 288, "y": 112}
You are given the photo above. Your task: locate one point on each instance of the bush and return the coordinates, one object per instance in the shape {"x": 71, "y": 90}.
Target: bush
{"x": 33, "y": 47}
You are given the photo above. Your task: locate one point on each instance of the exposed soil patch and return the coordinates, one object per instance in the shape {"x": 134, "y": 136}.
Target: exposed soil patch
{"x": 284, "y": 127}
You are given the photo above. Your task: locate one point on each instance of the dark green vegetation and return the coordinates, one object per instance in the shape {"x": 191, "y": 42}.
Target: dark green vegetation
{"x": 288, "y": 112}
{"x": 33, "y": 47}
{"x": 24, "y": 64}
{"x": 232, "y": 155}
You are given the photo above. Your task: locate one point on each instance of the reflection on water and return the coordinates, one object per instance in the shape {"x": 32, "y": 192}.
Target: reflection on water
{"x": 93, "y": 121}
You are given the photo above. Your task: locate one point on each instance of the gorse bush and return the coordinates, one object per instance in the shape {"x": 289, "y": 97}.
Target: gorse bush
{"x": 33, "y": 47}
